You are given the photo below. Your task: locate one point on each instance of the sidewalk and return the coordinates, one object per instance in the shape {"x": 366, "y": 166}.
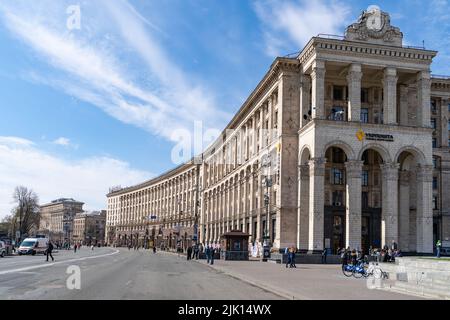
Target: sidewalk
{"x": 306, "y": 282}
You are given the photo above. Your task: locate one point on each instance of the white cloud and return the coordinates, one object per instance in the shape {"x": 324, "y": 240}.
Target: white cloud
{"x": 14, "y": 141}
{"x": 65, "y": 142}
{"x": 94, "y": 64}
{"x": 87, "y": 180}
{"x": 291, "y": 24}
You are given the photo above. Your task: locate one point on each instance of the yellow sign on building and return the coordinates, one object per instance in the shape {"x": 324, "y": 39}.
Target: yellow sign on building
{"x": 360, "y": 135}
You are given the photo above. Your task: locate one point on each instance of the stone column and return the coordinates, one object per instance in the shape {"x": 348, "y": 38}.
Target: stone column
{"x": 444, "y": 122}
{"x": 228, "y": 206}
{"x": 389, "y": 217}
{"x": 390, "y": 96}
{"x": 261, "y": 127}
{"x": 403, "y": 106}
{"x": 305, "y": 99}
{"x": 254, "y": 137}
{"x": 318, "y": 90}
{"x": 423, "y": 99}
{"x": 303, "y": 208}
{"x": 354, "y": 93}
{"x": 270, "y": 112}
{"x": 316, "y": 204}
{"x": 239, "y": 200}
{"x": 353, "y": 205}
{"x": 404, "y": 211}
{"x": 251, "y": 206}
{"x": 424, "y": 209}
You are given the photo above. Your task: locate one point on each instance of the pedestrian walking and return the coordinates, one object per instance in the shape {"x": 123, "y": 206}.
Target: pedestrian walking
{"x": 75, "y": 248}
{"x": 438, "y": 248}
{"x": 92, "y": 247}
{"x": 324, "y": 256}
{"x": 189, "y": 252}
{"x": 212, "y": 251}
{"x": 293, "y": 258}
{"x": 289, "y": 257}
{"x": 154, "y": 249}
{"x": 196, "y": 252}
{"x": 49, "y": 250}
{"x": 208, "y": 254}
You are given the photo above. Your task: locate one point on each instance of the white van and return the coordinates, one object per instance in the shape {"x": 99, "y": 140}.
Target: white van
{"x": 33, "y": 246}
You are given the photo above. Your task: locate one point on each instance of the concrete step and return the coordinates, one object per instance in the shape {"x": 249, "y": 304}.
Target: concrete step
{"x": 441, "y": 293}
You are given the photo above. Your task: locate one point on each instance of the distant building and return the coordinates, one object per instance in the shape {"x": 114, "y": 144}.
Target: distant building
{"x": 89, "y": 227}
{"x": 57, "y": 217}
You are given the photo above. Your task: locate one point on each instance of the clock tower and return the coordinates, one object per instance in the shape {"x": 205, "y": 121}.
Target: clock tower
{"x": 374, "y": 26}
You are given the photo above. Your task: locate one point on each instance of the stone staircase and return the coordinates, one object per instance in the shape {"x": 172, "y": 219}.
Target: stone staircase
{"x": 421, "y": 276}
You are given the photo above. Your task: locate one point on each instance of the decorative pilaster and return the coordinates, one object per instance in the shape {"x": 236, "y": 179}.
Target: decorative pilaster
{"x": 403, "y": 106}
{"x": 390, "y": 96}
{"x": 303, "y": 208}
{"x": 424, "y": 224}
{"x": 318, "y": 90}
{"x": 305, "y": 99}
{"x": 423, "y": 98}
{"x": 353, "y": 204}
{"x": 316, "y": 203}
{"x": 354, "y": 91}
{"x": 404, "y": 210}
{"x": 389, "y": 217}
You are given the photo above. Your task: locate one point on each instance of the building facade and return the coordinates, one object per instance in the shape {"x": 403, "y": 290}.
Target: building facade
{"x": 56, "y": 218}
{"x": 344, "y": 145}
{"x": 162, "y": 211}
{"x": 89, "y": 227}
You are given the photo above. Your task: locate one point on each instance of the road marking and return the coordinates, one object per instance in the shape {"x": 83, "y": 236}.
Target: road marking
{"x": 57, "y": 263}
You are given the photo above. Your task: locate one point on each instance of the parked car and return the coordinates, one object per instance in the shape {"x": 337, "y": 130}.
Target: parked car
{"x": 33, "y": 246}
{"x": 2, "y": 249}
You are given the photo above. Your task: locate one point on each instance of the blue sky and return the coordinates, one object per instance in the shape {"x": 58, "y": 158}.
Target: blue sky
{"x": 86, "y": 109}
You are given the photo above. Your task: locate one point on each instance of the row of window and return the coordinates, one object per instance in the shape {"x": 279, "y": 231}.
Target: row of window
{"x": 433, "y": 105}
{"x": 435, "y": 144}
{"x": 339, "y": 201}
{"x": 337, "y": 177}
{"x": 434, "y": 124}
{"x": 339, "y": 95}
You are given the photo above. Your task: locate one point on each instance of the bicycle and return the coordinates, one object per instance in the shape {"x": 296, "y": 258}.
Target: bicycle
{"x": 375, "y": 271}
{"x": 356, "y": 270}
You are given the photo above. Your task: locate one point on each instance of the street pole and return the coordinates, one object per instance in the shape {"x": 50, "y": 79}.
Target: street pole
{"x": 267, "y": 182}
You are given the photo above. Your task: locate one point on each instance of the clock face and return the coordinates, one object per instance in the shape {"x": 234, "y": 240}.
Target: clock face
{"x": 375, "y": 22}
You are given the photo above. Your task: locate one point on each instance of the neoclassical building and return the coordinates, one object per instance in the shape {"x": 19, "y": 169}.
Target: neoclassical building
{"x": 344, "y": 144}
{"x": 149, "y": 213}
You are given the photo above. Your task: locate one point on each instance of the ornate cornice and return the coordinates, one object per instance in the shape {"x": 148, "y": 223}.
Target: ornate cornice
{"x": 387, "y": 33}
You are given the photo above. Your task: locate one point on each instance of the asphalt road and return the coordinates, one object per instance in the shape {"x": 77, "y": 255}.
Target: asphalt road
{"x": 109, "y": 273}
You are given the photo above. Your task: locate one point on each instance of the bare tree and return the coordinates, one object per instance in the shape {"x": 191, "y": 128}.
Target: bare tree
{"x": 26, "y": 213}
{"x": 7, "y": 226}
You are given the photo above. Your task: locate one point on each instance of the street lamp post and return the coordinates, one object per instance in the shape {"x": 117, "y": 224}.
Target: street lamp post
{"x": 267, "y": 183}
{"x": 179, "y": 225}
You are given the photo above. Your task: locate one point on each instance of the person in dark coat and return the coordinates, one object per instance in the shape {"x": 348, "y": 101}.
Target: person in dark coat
{"x": 289, "y": 257}
{"x": 189, "y": 253}
{"x": 196, "y": 250}
{"x": 212, "y": 251}
{"x": 324, "y": 256}
{"x": 208, "y": 253}
{"x": 293, "y": 258}
{"x": 49, "y": 250}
